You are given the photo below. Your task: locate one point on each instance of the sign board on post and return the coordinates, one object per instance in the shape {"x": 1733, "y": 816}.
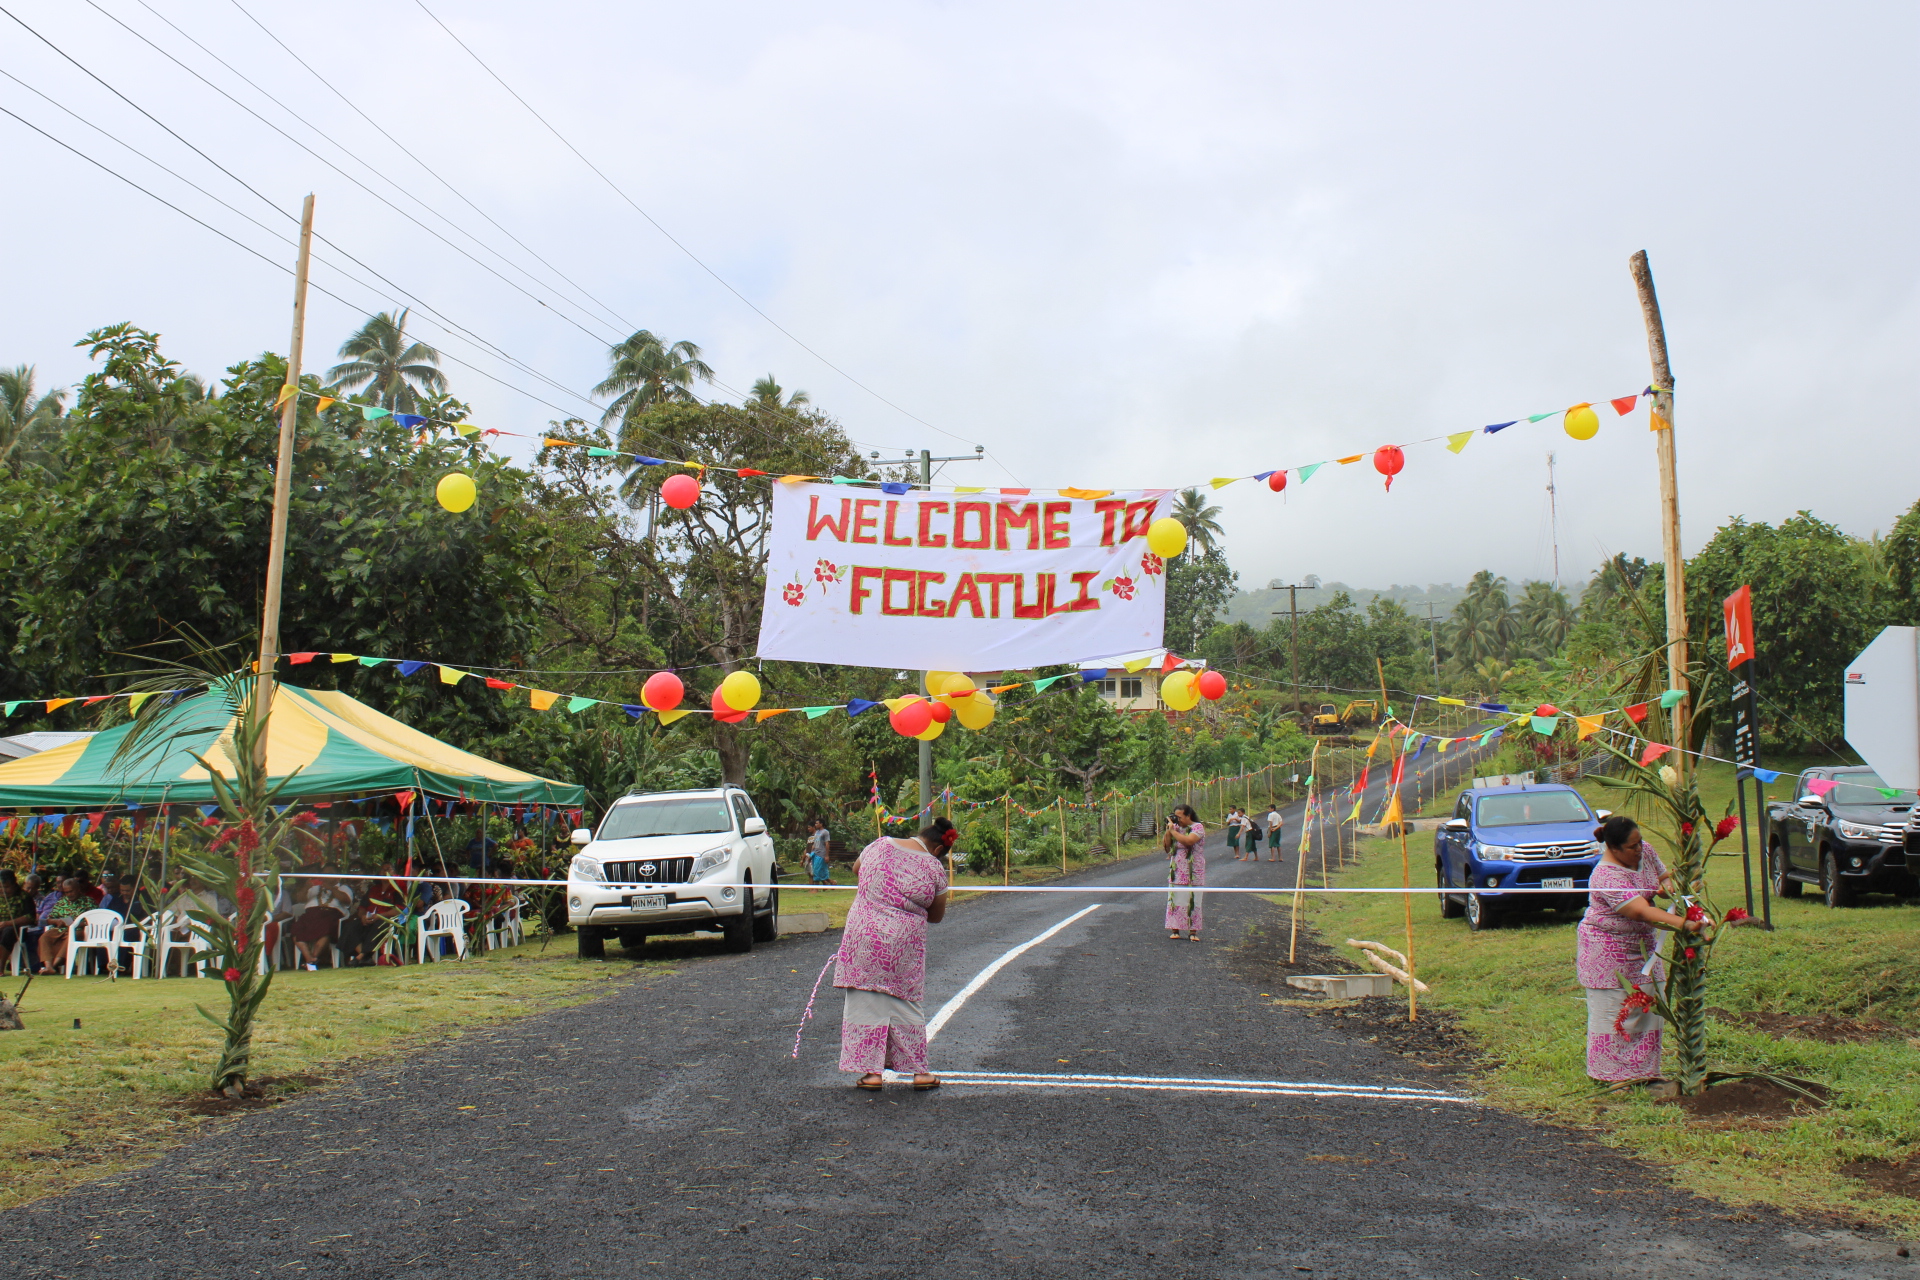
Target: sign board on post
{"x": 1883, "y": 706}
{"x": 979, "y": 581}
{"x": 1738, "y": 610}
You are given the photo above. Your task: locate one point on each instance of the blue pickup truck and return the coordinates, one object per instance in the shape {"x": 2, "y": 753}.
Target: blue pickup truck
{"x": 1533, "y": 836}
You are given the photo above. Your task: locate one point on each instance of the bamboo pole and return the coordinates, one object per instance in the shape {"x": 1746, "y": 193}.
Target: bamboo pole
{"x": 282, "y": 488}
{"x": 1406, "y": 900}
{"x": 1006, "y": 839}
{"x": 1062, "y": 802}
{"x": 1676, "y": 565}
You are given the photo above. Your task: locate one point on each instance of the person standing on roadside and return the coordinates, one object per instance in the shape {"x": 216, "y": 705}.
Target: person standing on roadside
{"x": 882, "y": 964}
{"x": 1232, "y": 823}
{"x": 1185, "y": 843}
{"x": 1276, "y": 828}
{"x": 1252, "y": 837}
{"x": 1616, "y": 954}
{"x": 818, "y": 844}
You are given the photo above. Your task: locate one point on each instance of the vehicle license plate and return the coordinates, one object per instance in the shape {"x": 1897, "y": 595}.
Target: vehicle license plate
{"x": 658, "y": 901}
{"x": 1559, "y": 882}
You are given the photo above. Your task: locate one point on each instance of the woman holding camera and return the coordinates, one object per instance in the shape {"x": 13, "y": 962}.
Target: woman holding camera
{"x": 1185, "y": 843}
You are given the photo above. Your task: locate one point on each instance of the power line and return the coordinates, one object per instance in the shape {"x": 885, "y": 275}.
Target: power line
{"x": 691, "y": 255}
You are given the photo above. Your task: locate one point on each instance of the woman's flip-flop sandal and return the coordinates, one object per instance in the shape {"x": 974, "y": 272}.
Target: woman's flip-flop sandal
{"x": 922, "y": 1088}
{"x": 875, "y": 1085}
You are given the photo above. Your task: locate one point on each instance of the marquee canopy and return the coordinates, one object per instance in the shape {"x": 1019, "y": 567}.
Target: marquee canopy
{"x": 340, "y": 747}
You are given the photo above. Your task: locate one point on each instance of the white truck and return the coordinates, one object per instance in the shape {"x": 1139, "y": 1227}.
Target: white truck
{"x": 674, "y": 862}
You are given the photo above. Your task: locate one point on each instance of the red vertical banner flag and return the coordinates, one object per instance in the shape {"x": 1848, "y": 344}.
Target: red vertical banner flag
{"x": 1738, "y": 609}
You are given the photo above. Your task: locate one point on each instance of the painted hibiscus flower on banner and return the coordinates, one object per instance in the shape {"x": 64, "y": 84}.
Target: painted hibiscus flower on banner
{"x": 1122, "y": 587}
{"x": 825, "y": 571}
{"x": 1152, "y": 565}
{"x": 794, "y": 593}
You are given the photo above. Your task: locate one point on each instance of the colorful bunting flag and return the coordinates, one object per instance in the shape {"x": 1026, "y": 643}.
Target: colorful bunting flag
{"x": 1589, "y": 725}
{"x": 1672, "y": 698}
{"x": 1653, "y": 752}
{"x": 1545, "y": 725}
{"x": 541, "y": 698}
{"x": 450, "y": 675}
{"x": 1306, "y": 472}
{"x": 1623, "y": 405}
{"x": 1349, "y": 461}
{"x": 1657, "y": 423}
{"x": 668, "y": 717}
{"x": 369, "y": 413}
{"x": 1498, "y": 426}
{"x": 1821, "y": 786}
{"x": 577, "y": 704}
{"x": 1458, "y": 440}
{"x": 1637, "y": 712}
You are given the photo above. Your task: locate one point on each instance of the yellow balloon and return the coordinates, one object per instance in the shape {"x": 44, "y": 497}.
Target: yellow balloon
{"x": 1178, "y": 690}
{"x": 455, "y": 491}
{"x": 936, "y": 679}
{"x": 740, "y": 691}
{"x": 1582, "y": 422}
{"x": 977, "y": 712}
{"x": 933, "y": 730}
{"x": 1167, "y": 537}
{"x": 955, "y": 686}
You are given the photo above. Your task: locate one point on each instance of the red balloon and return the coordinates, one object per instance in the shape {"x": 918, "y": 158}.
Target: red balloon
{"x": 724, "y": 713}
{"x": 1212, "y": 685}
{"x": 1388, "y": 460}
{"x": 912, "y": 719}
{"x": 1277, "y": 481}
{"x": 680, "y": 492}
{"x": 942, "y": 712}
{"x": 662, "y": 691}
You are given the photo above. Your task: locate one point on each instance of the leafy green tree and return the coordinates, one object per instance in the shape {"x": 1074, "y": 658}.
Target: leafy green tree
{"x": 1202, "y": 520}
{"x": 382, "y": 362}
{"x": 766, "y": 395}
{"x": 1543, "y": 619}
{"x": 29, "y": 423}
{"x": 1198, "y": 589}
{"x": 647, "y": 372}
{"x": 154, "y": 526}
{"x": 1902, "y": 554}
{"x": 1815, "y": 605}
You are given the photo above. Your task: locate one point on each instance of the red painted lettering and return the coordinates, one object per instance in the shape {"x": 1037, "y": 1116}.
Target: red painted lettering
{"x": 864, "y": 521}
{"x": 928, "y": 538}
{"x": 922, "y": 607}
{"x": 993, "y": 580}
{"x": 1139, "y": 516}
{"x": 1007, "y": 516}
{"x": 966, "y": 591}
{"x": 961, "y": 511}
{"x": 887, "y": 607}
{"x": 816, "y": 522}
{"x": 887, "y": 535}
{"x": 1055, "y": 529}
{"x": 1109, "y": 509}
{"x": 855, "y": 591}
{"x": 1038, "y": 609}
{"x": 1083, "y": 601}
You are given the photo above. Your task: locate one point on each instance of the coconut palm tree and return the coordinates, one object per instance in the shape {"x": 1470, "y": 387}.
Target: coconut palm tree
{"x": 380, "y": 360}
{"x": 1543, "y": 618}
{"x": 1201, "y": 519}
{"x": 646, "y": 371}
{"x": 766, "y": 395}
{"x": 28, "y": 422}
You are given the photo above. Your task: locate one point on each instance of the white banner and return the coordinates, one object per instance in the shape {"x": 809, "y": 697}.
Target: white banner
{"x": 985, "y": 581}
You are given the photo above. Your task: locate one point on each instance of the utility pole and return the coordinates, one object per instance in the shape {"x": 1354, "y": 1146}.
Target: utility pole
{"x": 1676, "y": 581}
{"x": 925, "y": 462}
{"x": 282, "y": 487}
{"x": 1433, "y": 645}
{"x": 1553, "y": 517}
{"x": 1293, "y": 613}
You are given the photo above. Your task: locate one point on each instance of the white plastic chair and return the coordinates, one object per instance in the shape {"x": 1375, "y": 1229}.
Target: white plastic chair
{"x": 163, "y": 926}
{"x": 444, "y": 919}
{"x": 96, "y": 930}
{"x": 507, "y": 929}
{"x": 19, "y": 960}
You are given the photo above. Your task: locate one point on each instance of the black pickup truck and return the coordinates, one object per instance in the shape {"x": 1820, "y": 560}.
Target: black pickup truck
{"x": 1850, "y": 841}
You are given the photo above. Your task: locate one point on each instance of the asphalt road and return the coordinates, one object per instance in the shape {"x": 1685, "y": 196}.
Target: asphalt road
{"x": 664, "y": 1131}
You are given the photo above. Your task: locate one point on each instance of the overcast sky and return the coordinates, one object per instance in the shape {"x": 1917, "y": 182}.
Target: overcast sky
{"x": 1118, "y": 245}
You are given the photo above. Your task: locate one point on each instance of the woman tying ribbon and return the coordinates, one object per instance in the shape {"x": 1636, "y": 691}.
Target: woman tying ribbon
{"x": 882, "y": 963}
{"x": 1616, "y": 941}
{"x": 1185, "y": 843}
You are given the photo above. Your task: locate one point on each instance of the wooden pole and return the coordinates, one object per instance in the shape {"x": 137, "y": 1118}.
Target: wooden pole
{"x": 1406, "y": 899}
{"x": 1006, "y": 839}
{"x": 1676, "y": 568}
{"x": 1062, "y": 802}
{"x": 282, "y": 487}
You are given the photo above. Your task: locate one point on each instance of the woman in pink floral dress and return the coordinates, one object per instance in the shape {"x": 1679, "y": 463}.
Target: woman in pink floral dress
{"x": 1186, "y": 846}
{"x": 883, "y": 955}
{"x": 1616, "y": 940}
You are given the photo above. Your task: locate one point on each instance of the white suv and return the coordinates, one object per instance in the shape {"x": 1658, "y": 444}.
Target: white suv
{"x": 674, "y": 862}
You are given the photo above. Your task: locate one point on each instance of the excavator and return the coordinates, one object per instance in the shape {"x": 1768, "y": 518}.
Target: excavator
{"x": 1359, "y": 714}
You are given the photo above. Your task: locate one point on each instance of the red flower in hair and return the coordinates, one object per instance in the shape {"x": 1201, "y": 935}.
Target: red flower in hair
{"x": 231, "y": 975}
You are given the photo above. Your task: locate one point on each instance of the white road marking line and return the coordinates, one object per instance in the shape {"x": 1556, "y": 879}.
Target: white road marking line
{"x": 1209, "y": 1080}
{"x": 1363, "y": 1092}
{"x": 981, "y": 978}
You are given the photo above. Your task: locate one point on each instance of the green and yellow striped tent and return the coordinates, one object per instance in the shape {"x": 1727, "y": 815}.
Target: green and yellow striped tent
{"x": 339, "y": 746}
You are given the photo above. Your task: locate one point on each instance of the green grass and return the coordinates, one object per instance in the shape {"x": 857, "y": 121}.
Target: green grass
{"x": 1514, "y": 990}
{"x": 80, "y": 1103}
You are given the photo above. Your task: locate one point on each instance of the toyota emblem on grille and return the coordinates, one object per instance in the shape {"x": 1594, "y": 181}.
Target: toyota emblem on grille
{"x": 646, "y": 869}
